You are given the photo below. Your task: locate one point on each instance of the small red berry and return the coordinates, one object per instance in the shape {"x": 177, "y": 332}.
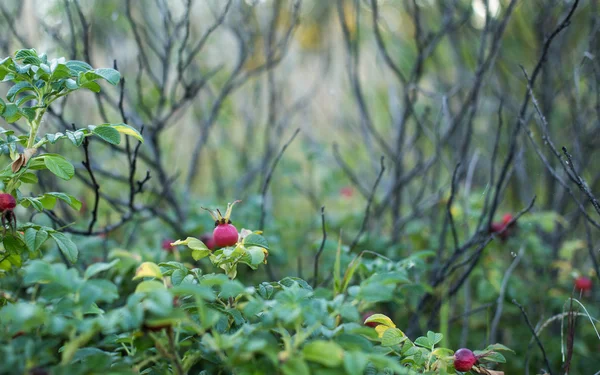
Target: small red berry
{"x": 366, "y": 315}
{"x": 507, "y": 218}
{"x": 166, "y": 245}
{"x": 224, "y": 234}
{"x": 208, "y": 240}
{"x": 7, "y": 202}
{"x": 583, "y": 284}
{"x": 347, "y": 192}
{"x": 464, "y": 359}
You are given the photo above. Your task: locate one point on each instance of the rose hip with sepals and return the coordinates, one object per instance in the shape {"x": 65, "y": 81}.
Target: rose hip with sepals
{"x": 224, "y": 234}
{"x": 464, "y": 359}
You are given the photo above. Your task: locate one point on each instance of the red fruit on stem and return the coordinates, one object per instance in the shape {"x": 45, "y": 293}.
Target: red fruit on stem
{"x": 7, "y": 202}
{"x": 208, "y": 240}
{"x": 166, "y": 245}
{"x": 224, "y": 234}
{"x": 366, "y": 315}
{"x": 507, "y": 218}
{"x": 583, "y": 284}
{"x": 464, "y": 359}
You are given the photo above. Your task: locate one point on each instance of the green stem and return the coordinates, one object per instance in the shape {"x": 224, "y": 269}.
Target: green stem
{"x": 35, "y": 127}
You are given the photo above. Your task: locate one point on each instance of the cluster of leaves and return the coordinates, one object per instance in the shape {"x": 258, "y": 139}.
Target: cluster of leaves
{"x": 36, "y": 83}
{"x": 182, "y": 320}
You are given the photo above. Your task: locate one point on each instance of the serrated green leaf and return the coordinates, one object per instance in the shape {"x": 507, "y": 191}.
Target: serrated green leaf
{"x": 78, "y": 66}
{"x": 61, "y": 71}
{"x": 434, "y": 338}
{"x": 424, "y": 342}
{"x": 66, "y": 246}
{"x": 28, "y": 178}
{"x": 254, "y": 239}
{"x": 18, "y": 88}
{"x": 110, "y": 75}
{"x": 11, "y": 113}
{"x": 108, "y": 133}
{"x": 28, "y": 113}
{"x": 92, "y": 86}
{"x": 392, "y": 336}
{"x": 34, "y": 239}
{"x": 58, "y": 165}
{"x": 96, "y": 268}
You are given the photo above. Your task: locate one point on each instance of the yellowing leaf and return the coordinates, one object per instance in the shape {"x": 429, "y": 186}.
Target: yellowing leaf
{"x": 380, "y": 329}
{"x": 380, "y": 319}
{"x": 128, "y": 130}
{"x": 147, "y": 269}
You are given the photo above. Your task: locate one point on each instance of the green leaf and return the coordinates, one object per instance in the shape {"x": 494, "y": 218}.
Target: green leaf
{"x": 295, "y": 366}
{"x": 199, "y": 254}
{"x": 498, "y": 347}
{"x": 35, "y": 202}
{"x": 110, "y": 75}
{"x": 92, "y": 86}
{"x": 424, "y": 342}
{"x": 18, "y": 88}
{"x": 392, "y": 336}
{"x": 108, "y": 133}
{"x": 355, "y": 363}
{"x": 231, "y": 288}
{"x": 35, "y": 238}
{"x": 96, "y": 268}
{"x": 257, "y": 255}
{"x": 61, "y": 71}
{"x": 254, "y": 239}
{"x": 66, "y": 246}
{"x": 59, "y": 166}
{"x": 28, "y": 178}
{"x": 490, "y": 356}
{"x": 11, "y": 113}
{"x": 76, "y": 137}
{"x": 78, "y": 66}
{"x": 434, "y": 338}
{"x": 13, "y": 244}
{"x": 28, "y": 113}
{"x": 29, "y": 56}
{"x": 327, "y": 353}
{"x": 49, "y": 200}
{"x": 149, "y": 286}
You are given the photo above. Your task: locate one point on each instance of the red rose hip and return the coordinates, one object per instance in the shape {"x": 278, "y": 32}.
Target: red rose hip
{"x": 583, "y": 284}
{"x": 208, "y": 240}
{"x": 464, "y": 359}
{"x": 224, "y": 234}
{"x": 7, "y": 202}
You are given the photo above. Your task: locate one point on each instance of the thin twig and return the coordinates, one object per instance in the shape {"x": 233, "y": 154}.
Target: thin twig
{"x": 539, "y": 342}
{"x": 368, "y": 209}
{"x": 318, "y": 255}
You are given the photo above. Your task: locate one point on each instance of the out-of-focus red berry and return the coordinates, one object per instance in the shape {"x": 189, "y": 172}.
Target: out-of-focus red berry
{"x": 347, "y": 192}
{"x": 583, "y": 283}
